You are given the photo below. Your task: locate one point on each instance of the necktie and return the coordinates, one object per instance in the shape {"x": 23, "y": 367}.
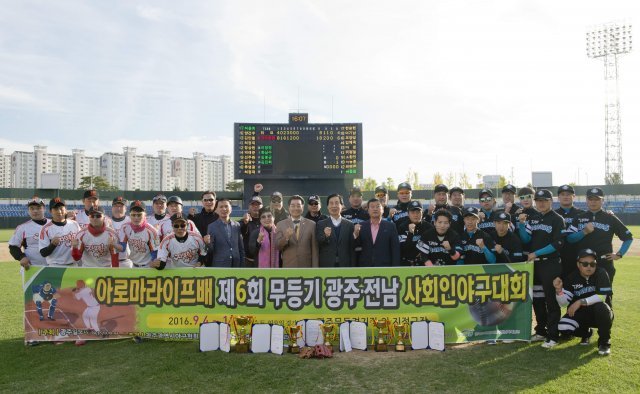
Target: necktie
{"x": 296, "y": 225}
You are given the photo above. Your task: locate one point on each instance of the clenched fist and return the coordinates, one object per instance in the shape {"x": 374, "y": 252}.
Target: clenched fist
{"x": 327, "y": 232}
{"x": 356, "y": 231}
{"x": 480, "y": 243}
{"x": 499, "y": 248}
{"x": 446, "y": 245}
{"x": 588, "y": 228}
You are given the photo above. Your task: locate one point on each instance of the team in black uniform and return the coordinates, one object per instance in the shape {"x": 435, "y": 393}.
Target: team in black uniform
{"x": 440, "y": 245}
{"x": 569, "y": 213}
{"x": 409, "y": 234}
{"x": 476, "y": 244}
{"x": 508, "y": 247}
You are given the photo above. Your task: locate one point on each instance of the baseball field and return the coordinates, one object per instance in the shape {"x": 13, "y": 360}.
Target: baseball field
{"x": 168, "y": 366}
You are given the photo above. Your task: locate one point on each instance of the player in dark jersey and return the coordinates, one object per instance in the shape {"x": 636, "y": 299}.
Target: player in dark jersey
{"x": 440, "y": 201}
{"x": 399, "y": 214}
{"x": 508, "y": 247}
{"x": 487, "y": 212}
{"x": 409, "y": 234}
{"x": 476, "y": 244}
{"x": 45, "y": 292}
{"x": 545, "y": 233}
{"x": 439, "y": 245}
{"x": 569, "y": 252}
{"x": 585, "y": 291}
{"x": 382, "y": 195}
{"x": 596, "y": 229}
{"x": 525, "y": 196}
{"x": 355, "y": 213}
{"x": 509, "y": 200}
{"x": 456, "y": 198}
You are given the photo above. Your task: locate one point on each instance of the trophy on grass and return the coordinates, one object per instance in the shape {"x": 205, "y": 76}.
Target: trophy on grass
{"x": 329, "y": 333}
{"x": 242, "y": 330}
{"x": 295, "y": 333}
{"x": 381, "y": 334}
{"x": 402, "y": 330}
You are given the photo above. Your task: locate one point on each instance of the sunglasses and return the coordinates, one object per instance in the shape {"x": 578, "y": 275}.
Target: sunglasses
{"x": 381, "y": 195}
{"x": 179, "y": 226}
{"x": 586, "y": 264}
{"x": 276, "y": 200}
{"x": 95, "y": 216}
{"x": 486, "y": 199}
{"x": 208, "y": 199}
{"x": 135, "y": 215}
{"x": 404, "y": 193}
{"x": 313, "y": 203}
{"x": 525, "y": 197}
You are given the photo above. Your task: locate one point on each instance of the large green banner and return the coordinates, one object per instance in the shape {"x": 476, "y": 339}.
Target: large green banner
{"x": 478, "y": 302}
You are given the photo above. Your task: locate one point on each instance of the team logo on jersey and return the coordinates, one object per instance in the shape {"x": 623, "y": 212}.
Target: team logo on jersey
{"x": 187, "y": 256}
{"x": 67, "y": 239}
{"x": 138, "y": 245}
{"x": 97, "y": 251}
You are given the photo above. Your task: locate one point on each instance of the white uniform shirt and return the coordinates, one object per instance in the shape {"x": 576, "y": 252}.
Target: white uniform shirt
{"x": 29, "y": 233}
{"x": 157, "y": 223}
{"x": 95, "y": 249}
{"x": 61, "y": 255}
{"x": 86, "y": 295}
{"x": 166, "y": 228}
{"x": 141, "y": 243}
{"x": 118, "y": 227}
{"x": 182, "y": 254}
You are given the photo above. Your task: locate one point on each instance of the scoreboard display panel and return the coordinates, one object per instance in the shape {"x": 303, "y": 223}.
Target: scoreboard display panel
{"x": 297, "y": 150}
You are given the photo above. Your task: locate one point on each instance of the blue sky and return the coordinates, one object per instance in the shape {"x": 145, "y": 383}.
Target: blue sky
{"x": 447, "y": 86}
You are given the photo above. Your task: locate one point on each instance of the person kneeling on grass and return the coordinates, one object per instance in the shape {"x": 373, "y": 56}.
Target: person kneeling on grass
{"x": 585, "y": 292}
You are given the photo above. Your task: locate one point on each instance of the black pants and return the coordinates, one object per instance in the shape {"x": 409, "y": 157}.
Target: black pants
{"x": 547, "y": 309}
{"x": 611, "y": 270}
{"x": 597, "y": 315}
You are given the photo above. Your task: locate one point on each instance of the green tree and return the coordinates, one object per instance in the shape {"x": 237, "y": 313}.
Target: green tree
{"x": 235, "y": 186}
{"x": 614, "y": 179}
{"x": 390, "y": 184}
{"x": 464, "y": 181}
{"x": 368, "y": 184}
{"x": 437, "y": 179}
{"x": 413, "y": 178}
{"x": 95, "y": 182}
{"x": 450, "y": 179}
{"x": 502, "y": 182}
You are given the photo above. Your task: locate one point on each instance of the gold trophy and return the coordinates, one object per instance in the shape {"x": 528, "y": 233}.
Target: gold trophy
{"x": 382, "y": 337}
{"x": 295, "y": 333}
{"x": 403, "y": 334}
{"x": 329, "y": 333}
{"x": 242, "y": 329}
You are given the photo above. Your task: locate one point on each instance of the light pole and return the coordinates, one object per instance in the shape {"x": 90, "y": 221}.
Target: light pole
{"x": 607, "y": 42}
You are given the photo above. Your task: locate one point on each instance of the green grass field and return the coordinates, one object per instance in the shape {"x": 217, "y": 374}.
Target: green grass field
{"x": 165, "y": 366}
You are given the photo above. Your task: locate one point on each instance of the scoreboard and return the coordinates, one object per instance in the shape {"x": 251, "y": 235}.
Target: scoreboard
{"x": 297, "y": 150}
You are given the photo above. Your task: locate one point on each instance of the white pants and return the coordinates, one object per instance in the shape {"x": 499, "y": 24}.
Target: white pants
{"x": 90, "y": 317}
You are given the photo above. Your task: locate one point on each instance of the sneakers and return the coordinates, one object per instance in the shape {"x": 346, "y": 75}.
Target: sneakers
{"x": 137, "y": 339}
{"x": 549, "y": 343}
{"x": 491, "y": 342}
{"x": 537, "y": 338}
{"x": 508, "y": 341}
{"x": 586, "y": 339}
{"x": 81, "y": 342}
{"x": 604, "y": 350}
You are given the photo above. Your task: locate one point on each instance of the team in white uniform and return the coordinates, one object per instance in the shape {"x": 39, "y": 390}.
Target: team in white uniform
{"x": 174, "y": 206}
{"x": 118, "y": 219}
{"x": 57, "y": 236}
{"x": 24, "y": 244}
{"x": 139, "y": 236}
{"x": 97, "y": 245}
{"x": 182, "y": 248}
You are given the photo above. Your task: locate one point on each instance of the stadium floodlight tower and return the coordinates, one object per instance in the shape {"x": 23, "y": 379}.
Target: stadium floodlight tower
{"x": 607, "y": 42}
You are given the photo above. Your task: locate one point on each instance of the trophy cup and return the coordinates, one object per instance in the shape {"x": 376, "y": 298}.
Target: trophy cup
{"x": 403, "y": 334}
{"x": 295, "y": 333}
{"x": 382, "y": 337}
{"x": 242, "y": 330}
{"x": 329, "y": 333}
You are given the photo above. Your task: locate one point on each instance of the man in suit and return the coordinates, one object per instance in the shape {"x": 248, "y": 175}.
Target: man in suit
{"x": 336, "y": 244}
{"x": 224, "y": 238}
{"x": 296, "y": 237}
{"x": 378, "y": 239}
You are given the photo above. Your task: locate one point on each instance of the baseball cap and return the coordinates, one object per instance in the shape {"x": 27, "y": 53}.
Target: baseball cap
{"x": 502, "y": 217}
{"x": 415, "y": 205}
{"x": 404, "y": 185}
{"x": 92, "y": 193}
{"x": 595, "y": 192}
{"x": 566, "y": 188}
{"x": 97, "y": 209}
{"x": 381, "y": 189}
{"x": 354, "y": 191}
{"x": 276, "y": 196}
{"x": 470, "y": 211}
{"x": 440, "y": 188}
{"x": 119, "y": 200}
{"x": 543, "y": 194}
{"x": 160, "y": 197}
{"x": 55, "y": 202}
{"x": 456, "y": 189}
{"x": 35, "y": 200}
{"x": 509, "y": 189}
{"x": 137, "y": 205}
{"x": 485, "y": 191}
{"x": 175, "y": 199}
{"x": 525, "y": 191}
{"x": 256, "y": 199}
{"x": 313, "y": 198}
{"x": 587, "y": 252}
{"x": 177, "y": 217}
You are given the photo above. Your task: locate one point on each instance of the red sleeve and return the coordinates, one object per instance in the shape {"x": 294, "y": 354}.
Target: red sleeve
{"x": 77, "y": 253}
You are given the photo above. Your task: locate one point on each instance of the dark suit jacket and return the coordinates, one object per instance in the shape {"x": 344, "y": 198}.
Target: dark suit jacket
{"x": 226, "y": 252}
{"x": 386, "y": 250}
{"x": 336, "y": 251}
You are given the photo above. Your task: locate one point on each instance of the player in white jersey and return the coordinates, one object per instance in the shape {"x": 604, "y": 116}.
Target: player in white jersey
{"x": 23, "y": 245}
{"x": 90, "y": 199}
{"x": 90, "y": 313}
{"x": 141, "y": 237}
{"x": 174, "y": 206}
{"x": 97, "y": 245}
{"x": 159, "y": 212}
{"x": 57, "y": 235}
{"x": 118, "y": 219}
{"x": 182, "y": 248}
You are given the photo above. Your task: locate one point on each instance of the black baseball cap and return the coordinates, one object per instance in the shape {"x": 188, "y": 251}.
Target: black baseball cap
{"x": 119, "y": 200}
{"x": 355, "y": 190}
{"x": 502, "y": 217}
{"x": 440, "y": 188}
{"x": 415, "y": 205}
{"x": 566, "y": 188}
{"x": 276, "y": 196}
{"x": 509, "y": 189}
{"x": 91, "y": 193}
{"x": 56, "y": 202}
{"x": 35, "y": 200}
{"x": 313, "y": 198}
{"x": 405, "y": 185}
{"x": 256, "y": 199}
{"x": 595, "y": 192}
{"x": 543, "y": 194}
{"x": 381, "y": 189}
{"x": 97, "y": 209}
{"x": 485, "y": 191}
{"x": 137, "y": 205}
{"x": 175, "y": 199}
{"x": 456, "y": 189}
{"x": 525, "y": 191}
{"x": 160, "y": 197}
{"x": 178, "y": 217}
{"x": 587, "y": 252}
{"x": 470, "y": 211}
